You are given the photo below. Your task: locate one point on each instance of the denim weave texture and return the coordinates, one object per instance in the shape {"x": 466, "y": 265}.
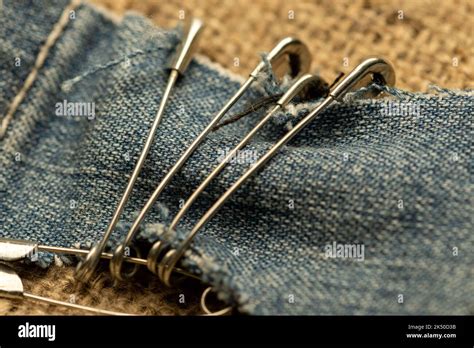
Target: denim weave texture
{"x": 401, "y": 185}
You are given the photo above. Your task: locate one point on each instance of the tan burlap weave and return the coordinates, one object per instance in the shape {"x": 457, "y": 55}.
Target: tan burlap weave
{"x": 428, "y": 41}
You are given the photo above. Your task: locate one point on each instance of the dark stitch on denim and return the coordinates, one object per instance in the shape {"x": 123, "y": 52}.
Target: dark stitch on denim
{"x": 317, "y": 89}
{"x": 257, "y": 105}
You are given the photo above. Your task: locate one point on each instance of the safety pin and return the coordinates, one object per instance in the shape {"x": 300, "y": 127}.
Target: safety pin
{"x": 179, "y": 63}
{"x": 372, "y": 69}
{"x": 17, "y": 249}
{"x": 11, "y": 286}
{"x": 288, "y": 56}
{"x": 159, "y": 247}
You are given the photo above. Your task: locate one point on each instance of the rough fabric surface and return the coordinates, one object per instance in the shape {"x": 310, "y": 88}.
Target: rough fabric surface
{"x": 144, "y": 296}
{"x": 399, "y": 184}
{"x": 429, "y": 41}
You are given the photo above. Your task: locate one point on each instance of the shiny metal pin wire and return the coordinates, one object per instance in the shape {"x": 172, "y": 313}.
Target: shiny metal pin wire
{"x": 178, "y": 65}
{"x": 289, "y": 56}
{"x": 12, "y": 250}
{"x": 159, "y": 247}
{"x": 371, "y": 70}
{"x": 225, "y": 311}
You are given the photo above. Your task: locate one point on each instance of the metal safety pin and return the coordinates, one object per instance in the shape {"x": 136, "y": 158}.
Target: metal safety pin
{"x": 11, "y": 286}
{"x": 159, "y": 247}
{"x": 372, "y": 69}
{"x": 17, "y": 249}
{"x": 178, "y": 65}
{"x": 288, "y": 56}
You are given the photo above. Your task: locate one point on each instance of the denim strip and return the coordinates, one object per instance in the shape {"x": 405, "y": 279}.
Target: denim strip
{"x": 393, "y": 175}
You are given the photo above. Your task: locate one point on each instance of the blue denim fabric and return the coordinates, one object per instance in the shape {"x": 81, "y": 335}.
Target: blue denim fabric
{"x": 399, "y": 185}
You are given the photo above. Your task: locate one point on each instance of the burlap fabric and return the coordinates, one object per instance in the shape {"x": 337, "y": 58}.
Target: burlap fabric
{"x": 428, "y": 41}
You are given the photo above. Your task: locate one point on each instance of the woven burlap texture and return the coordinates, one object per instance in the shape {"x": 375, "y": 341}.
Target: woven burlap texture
{"x": 428, "y": 41}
